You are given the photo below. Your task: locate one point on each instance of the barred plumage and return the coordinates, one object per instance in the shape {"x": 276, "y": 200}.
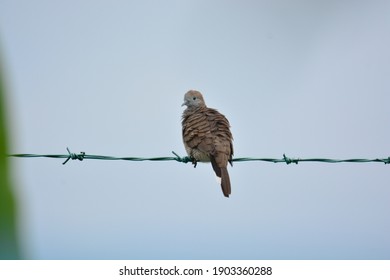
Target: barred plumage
{"x": 207, "y": 136}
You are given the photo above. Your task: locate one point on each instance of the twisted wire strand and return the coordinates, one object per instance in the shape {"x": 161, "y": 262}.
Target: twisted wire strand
{"x": 82, "y": 155}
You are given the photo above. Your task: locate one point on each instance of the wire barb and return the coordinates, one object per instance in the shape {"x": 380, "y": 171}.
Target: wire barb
{"x": 290, "y": 160}
{"x": 74, "y": 156}
{"x": 181, "y": 159}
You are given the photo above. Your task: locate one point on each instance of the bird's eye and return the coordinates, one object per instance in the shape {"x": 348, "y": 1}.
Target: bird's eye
{"x": 194, "y": 98}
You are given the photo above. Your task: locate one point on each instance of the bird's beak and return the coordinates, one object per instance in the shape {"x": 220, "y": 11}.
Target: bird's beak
{"x": 184, "y": 103}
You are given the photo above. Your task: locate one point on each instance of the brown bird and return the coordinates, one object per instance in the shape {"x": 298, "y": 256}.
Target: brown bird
{"x": 207, "y": 137}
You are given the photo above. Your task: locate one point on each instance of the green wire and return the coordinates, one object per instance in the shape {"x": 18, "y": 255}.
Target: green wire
{"x": 81, "y": 156}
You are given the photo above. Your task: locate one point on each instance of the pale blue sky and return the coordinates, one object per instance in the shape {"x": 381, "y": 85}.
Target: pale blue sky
{"x": 305, "y": 78}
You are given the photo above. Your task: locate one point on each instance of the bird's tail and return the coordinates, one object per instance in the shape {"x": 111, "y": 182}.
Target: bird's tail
{"x": 225, "y": 182}
{"x": 223, "y": 174}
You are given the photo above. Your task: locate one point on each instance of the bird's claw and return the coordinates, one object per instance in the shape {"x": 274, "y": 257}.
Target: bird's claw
{"x": 194, "y": 162}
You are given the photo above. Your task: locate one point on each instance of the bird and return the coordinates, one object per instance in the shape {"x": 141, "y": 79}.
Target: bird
{"x": 207, "y": 137}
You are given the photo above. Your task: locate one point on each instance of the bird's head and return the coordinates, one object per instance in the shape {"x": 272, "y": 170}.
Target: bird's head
{"x": 193, "y": 99}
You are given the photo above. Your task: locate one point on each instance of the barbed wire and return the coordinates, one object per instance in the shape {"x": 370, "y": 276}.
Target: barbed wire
{"x": 82, "y": 155}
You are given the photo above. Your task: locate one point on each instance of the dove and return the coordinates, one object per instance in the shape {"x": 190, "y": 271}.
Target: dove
{"x": 207, "y": 137}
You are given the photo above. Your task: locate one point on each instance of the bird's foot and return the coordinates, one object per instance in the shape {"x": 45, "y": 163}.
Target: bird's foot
{"x": 194, "y": 161}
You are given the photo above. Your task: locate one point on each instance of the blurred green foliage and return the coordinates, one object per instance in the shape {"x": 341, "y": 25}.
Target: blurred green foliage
{"x": 8, "y": 233}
